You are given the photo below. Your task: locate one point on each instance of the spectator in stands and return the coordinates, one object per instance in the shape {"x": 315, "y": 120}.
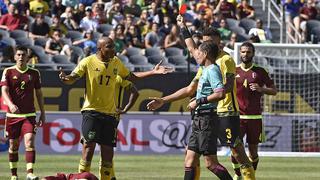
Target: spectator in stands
{"x": 57, "y": 8}
{"x": 88, "y": 22}
{"x": 133, "y": 37}
{"x": 3, "y": 47}
{"x": 56, "y": 24}
{"x": 152, "y": 39}
{"x": 99, "y": 13}
{"x": 12, "y": 20}
{"x": 142, "y": 22}
{"x": 119, "y": 44}
{"x": 114, "y": 14}
{"x": 155, "y": 13}
{"x": 132, "y": 8}
{"x": 55, "y": 46}
{"x": 244, "y": 10}
{"x": 33, "y": 58}
{"x": 233, "y": 40}
{"x": 173, "y": 39}
{"x": 120, "y": 33}
{"x": 79, "y": 13}
{"x": 39, "y": 28}
{"x": 166, "y": 27}
{"x": 23, "y": 7}
{"x": 88, "y": 44}
{"x": 128, "y": 22}
{"x": 224, "y": 31}
{"x": 292, "y": 8}
{"x": 68, "y": 20}
{"x": 87, "y": 2}
{"x": 39, "y": 7}
{"x": 3, "y": 7}
{"x": 200, "y": 22}
{"x": 254, "y": 39}
{"x": 264, "y": 34}
{"x": 227, "y": 10}
{"x": 71, "y": 3}
{"x": 307, "y": 12}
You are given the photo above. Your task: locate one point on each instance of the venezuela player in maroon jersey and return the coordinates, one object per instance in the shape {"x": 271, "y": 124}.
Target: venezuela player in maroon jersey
{"x": 252, "y": 83}
{"x": 18, "y": 85}
{"x": 62, "y": 176}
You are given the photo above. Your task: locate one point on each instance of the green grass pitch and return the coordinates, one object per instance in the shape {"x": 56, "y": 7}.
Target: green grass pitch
{"x": 167, "y": 167}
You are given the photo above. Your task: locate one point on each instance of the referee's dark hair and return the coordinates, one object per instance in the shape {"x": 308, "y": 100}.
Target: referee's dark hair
{"x": 21, "y": 48}
{"x": 211, "y": 49}
{"x": 248, "y": 44}
{"x": 210, "y": 31}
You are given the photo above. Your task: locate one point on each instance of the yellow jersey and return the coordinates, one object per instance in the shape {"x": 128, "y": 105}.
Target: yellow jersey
{"x": 100, "y": 82}
{"x": 227, "y": 65}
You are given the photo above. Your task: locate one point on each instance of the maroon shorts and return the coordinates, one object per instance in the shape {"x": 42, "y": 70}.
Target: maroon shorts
{"x": 253, "y": 129}
{"x": 15, "y": 127}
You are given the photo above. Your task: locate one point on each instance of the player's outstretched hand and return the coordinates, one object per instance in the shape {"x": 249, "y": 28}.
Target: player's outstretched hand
{"x": 192, "y": 105}
{"x": 155, "y": 104}
{"x": 62, "y": 75}
{"x": 158, "y": 69}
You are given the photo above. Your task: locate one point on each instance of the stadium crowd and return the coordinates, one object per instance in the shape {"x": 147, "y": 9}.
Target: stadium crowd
{"x": 65, "y": 31}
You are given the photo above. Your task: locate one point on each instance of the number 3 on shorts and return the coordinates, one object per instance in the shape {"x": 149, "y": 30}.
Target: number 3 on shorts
{"x": 229, "y": 134}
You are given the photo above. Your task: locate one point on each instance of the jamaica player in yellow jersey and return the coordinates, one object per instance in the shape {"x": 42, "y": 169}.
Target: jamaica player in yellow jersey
{"x": 228, "y": 110}
{"x": 99, "y": 113}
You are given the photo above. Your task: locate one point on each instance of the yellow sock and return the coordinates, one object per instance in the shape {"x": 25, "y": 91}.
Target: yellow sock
{"x": 248, "y": 173}
{"x": 112, "y": 173}
{"x": 84, "y": 166}
{"x": 105, "y": 170}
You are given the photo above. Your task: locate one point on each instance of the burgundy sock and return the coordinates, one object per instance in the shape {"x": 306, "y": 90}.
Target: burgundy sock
{"x": 13, "y": 157}
{"x": 189, "y": 173}
{"x": 220, "y": 172}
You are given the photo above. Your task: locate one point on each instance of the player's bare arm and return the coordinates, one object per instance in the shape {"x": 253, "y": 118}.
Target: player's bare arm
{"x": 158, "y": 69}
{"x": 272, "y": 90}
{"x": 40, "y": 101}
{"x": 187, "y": 36}
{"x": 228, "y": 87}
{"x": 68, "y": 79}
{"x": 216, "y": 96}
{"x": 134, "y": 94}
{"x": 187, "y": 91}
{"x": 5, "y": 94}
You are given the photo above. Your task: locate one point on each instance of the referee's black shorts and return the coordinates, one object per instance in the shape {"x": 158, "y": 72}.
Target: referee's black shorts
{"x": 99, "y": 127}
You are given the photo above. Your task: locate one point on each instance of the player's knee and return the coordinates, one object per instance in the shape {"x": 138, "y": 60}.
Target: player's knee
{"x": 211, "y": 161}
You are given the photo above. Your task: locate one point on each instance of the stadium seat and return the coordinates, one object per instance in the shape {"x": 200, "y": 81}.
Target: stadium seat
{"x": 238, "y": 30}
{"x": 45, "y": 59}
{"x": 18, "y": 34}
{"x": 184, "y": 68}
{"x": 155, "y": 59}
{"x": 232, "y": 22}
{"x": 247, "y": 24}
{"x": 10, "y": 41}
{"x": 138, "y": 60}
{"x": 242, "y": 37}
{"x": 76, "y": 54}
{"x": 38, "y": 50}
{"x": 97, "y": 35}
{"x": 178, "y": 60}
{"x": 24, "y": 42}
{"x": 66, "y": 41}
{"x": 63, "y": 62}
{"x": 129, "y": 66}
{"x": 124, "y": 58}
{"x": 315, "y": 35}
{"x": 173, "y": 51}
{"x": 4, "y": 33}
{"x": 131, "y": 51}
{"x": 40, "y": 42}
{"x": 153, "y": 51}
{"x": 105, "y": 28}
{"x": 74, "y": 35}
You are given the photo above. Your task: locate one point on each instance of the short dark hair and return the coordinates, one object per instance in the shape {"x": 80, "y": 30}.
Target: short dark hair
{"x": 21, "y": 48}
{"x": 248, "y": 44}
{"x": 210, "y": 31}
{"x": 210, "y": 48}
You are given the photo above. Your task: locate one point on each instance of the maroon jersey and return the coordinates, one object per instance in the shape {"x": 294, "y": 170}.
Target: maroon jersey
{"x": 249, "y": 101}
{"x": 62, "y": 176}
{"x": 21, "y": 87}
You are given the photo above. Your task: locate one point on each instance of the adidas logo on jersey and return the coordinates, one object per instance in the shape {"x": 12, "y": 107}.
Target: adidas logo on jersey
{"x": 237, "y": 76}
{"x": 15, "y": 77}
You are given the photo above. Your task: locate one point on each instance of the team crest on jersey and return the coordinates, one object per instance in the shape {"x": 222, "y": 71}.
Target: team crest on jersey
{"x": 91, "y": 134}
{"x": 254, "y": 75}
{"x": 30, "y": 78}
{"x": 15, "y": 77}
{"x": 115, "y": 71}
